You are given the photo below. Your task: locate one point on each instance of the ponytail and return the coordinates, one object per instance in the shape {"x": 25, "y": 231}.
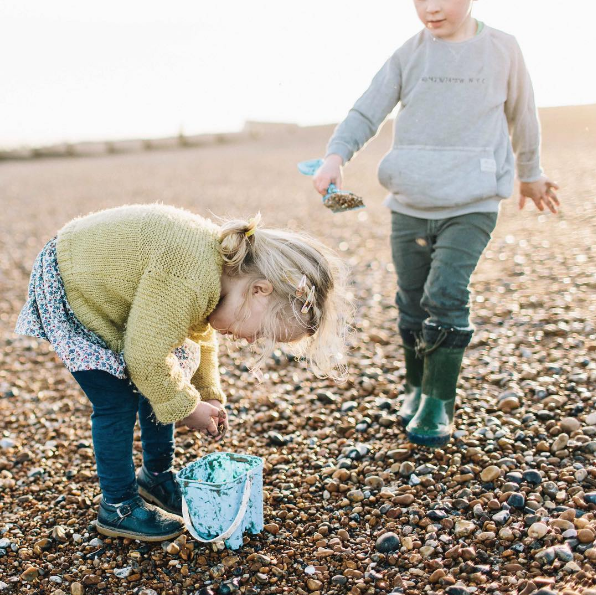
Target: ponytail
{"x": 237, "y": 238}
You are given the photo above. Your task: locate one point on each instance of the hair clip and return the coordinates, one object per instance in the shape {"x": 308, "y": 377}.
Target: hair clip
{"x": 301, "y": 289}
{"x": 310, "y": 298}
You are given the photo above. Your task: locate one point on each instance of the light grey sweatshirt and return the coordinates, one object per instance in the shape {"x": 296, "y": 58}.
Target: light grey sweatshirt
{"x": 462, "y": 106}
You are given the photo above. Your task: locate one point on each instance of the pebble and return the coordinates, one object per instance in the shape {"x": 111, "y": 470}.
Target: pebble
{"x": 404, "y": 499}
{"x": 272, "y": 528}
{"x": 517, "y": 501}
{"x": 501, "y": 517}
{"x": 355, "y": 495}
{"x": 388, "y": 542}
{"x": 563, "y": 552}
{"x": 570, "y": 425}
{"x": 406, "y": 469}
{"x": 537, "y": 530}
{"x": 96, "y": 542}
{"x": 586, "y": 535}
{"x": 490, "y": 473}
{"x": 455, "y": 590}
{"x": 508, "y": 404}
{"x": 464, "y": 528}
{"x": 339, "y": 579}
{"x": 374, "y": 482}
{"x": 532, "y": 477}
{"x": 559, "y": 443}
{"x": 277, "y": 439}
{"x": 30, "y": 574}
{"x": 227, "y": 588}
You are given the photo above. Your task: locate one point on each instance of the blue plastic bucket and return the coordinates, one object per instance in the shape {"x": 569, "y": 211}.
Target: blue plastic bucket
{"x": 222, "y": 497}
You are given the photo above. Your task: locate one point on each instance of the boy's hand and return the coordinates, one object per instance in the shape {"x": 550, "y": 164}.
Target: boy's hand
{"x": 542, "y": 192}
{"x": 206, "y": 417}
{"x": 328, "y": 173}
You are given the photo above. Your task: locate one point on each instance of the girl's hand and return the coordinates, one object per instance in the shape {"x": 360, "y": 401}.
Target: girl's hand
{"x": 204, "y": 418}
{"x": 542, "y": 192}
{"x": 328, "y": 173}
{"x": 223, "y": 424}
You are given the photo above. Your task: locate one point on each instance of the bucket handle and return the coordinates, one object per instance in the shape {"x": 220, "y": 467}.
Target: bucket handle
{"x": 235, "y": 523}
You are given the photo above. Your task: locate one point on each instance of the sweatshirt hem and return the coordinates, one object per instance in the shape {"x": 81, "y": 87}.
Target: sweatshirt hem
{"x": 487, "y": 205}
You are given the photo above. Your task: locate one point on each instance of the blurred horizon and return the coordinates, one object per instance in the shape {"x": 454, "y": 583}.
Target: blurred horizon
{"x": 136, "y": 70}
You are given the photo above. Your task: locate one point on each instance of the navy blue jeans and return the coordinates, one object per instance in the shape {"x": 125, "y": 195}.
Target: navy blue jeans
{"x": 116, "y": 403}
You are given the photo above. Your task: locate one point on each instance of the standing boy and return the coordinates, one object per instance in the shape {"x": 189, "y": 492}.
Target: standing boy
{"x": 467, "y": 117}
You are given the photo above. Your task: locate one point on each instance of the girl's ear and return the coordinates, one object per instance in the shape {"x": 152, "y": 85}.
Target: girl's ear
{"x": 262, "y": 287}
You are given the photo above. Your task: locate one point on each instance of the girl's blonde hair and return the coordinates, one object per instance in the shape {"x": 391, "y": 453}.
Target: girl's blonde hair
{"x": 283, "y": 258}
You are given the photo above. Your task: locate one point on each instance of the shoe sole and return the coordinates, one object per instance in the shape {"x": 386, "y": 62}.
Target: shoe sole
{"x": 432, "y": 441}
{"x": 132, "y": 535}
{"x": 153, "y": 500}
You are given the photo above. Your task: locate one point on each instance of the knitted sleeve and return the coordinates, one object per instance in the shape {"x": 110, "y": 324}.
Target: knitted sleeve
{"x": 206, "y": 378}
{"x": 163, "y": 310}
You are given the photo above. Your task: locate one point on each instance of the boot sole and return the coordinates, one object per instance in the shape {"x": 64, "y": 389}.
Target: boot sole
{"x": 404, "y": 420}
{"x": 153, "y": 500}
{"x": 432, "y": 441}
{"x": 132, "y": 535}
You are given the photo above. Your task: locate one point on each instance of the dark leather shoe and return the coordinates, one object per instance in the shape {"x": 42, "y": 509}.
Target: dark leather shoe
{"x": 136, "y": 519}
{"x": 162, "y": 490}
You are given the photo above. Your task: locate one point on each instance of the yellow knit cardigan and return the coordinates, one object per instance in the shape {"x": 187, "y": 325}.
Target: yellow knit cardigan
{"x": 144, "y": 278}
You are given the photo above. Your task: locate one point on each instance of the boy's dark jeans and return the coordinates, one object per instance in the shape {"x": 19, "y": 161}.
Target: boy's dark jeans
{"x": 116, "y": 403}
{"x": 434, "y": 259}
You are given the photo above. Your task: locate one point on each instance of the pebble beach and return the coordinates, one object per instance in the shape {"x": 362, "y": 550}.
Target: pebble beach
{"x": 508, "y": 507}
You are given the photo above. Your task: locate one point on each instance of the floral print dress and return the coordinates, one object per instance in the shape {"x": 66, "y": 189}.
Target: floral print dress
{"x": 48, "y": 315}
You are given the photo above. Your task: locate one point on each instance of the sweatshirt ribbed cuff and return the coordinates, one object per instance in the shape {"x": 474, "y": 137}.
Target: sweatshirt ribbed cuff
{"x": 341, "y": 149}
{"x": 529, "y": 171}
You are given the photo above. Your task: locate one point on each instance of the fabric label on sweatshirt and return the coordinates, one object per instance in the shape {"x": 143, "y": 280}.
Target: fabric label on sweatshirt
{"x": 489, "y": 165}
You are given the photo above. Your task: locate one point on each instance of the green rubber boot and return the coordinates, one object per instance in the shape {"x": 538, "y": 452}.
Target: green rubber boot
{"x": 433, "y": 423}
{"x": 412, "y": 385}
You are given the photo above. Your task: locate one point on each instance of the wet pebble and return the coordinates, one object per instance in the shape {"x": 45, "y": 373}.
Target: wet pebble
{"x": 517, "y": 501}
{"x": 388, "y": 542}
{"x": 532, "y": 477}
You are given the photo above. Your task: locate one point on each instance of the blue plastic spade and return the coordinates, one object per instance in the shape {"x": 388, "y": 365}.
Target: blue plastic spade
{"x": 339, "y": 201}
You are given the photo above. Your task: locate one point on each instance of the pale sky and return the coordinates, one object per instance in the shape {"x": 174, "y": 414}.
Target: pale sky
{"x": 114, "y": 69}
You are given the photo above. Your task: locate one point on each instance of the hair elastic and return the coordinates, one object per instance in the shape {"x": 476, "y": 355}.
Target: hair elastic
{"x": 250, "y": 232}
